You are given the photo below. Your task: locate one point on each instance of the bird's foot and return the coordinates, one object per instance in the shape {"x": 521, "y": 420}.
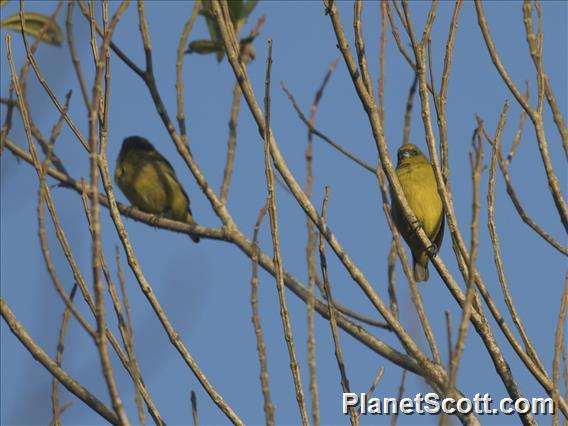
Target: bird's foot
{"x": 155, "y": 219}
{"x": 415, "y": 225}
{"x": 432, "y": 250}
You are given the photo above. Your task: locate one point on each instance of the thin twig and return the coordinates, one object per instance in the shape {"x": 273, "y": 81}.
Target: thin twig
{"x": 360, "y": 45}
{"x": 517, "y": 138}
{"x": 440, "y": 99}
{"x": 476, "y": 162}
{"x": 260, "y": 345}
{"x": 382, "y": 60}
{"x": 375, "y": 382}
{"x": 394, "y": 417}
{"x": 321, "y": 135}
{"x": 56, "y": 409}
{"x": 565, "y": 369}
{"x": 395, "y": 34}
{"x": 272, "y": 212}
{"x": 391, "y": 273}
{"x": 231, "y": 143}
{"x": 8, "y": 120}
{"x": 353, "y": 416}
{"x": 558, "y": 342}
{"x": 74, "y": 56}
{"x": 430, "y": 67}
{"x": 350, "y": 312}
{"x": 311, "y": 251}
{"x": 194, "y": 409}
{"x": 61, "y": 410}
{"x": 128, "y": 337}
{"x": 449, "y": 334}
{"x": 179, "y": 71}
{"x": 556, "y": 114}
{"x": 408, "y": 112}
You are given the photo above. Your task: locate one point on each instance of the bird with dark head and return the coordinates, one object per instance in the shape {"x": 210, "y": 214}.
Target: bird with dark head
{"x": 149, "y": 181}
{"x": 416, "y": 177}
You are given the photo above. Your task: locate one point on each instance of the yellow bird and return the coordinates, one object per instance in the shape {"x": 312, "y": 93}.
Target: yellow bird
{"x": 416, "y": 177}
{"x": 149, "y": 181}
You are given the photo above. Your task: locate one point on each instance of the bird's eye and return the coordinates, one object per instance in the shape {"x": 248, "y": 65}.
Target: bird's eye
{"x": 407, "y": 153}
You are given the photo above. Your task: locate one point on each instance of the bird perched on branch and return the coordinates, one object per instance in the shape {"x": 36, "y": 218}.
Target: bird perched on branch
{"x": 416, "y": 177}
{"x": 149, "y": 181}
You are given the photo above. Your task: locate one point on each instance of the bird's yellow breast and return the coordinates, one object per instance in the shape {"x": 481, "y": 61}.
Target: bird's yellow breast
{"x": 419, "y": 185}
{"x": 142, "y": 187}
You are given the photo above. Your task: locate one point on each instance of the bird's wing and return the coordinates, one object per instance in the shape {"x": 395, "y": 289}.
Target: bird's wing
{"x": 169, "y": 170}
{"x": 157, "y": 157}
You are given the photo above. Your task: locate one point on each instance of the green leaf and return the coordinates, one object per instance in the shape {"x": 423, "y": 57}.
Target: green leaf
{"x": 247, "y": 8}
{"x": 235, "y": 8}
{"x": 204, "y": 47}
{"x": 33, "y": 24}
{"x": 207, "y": 12}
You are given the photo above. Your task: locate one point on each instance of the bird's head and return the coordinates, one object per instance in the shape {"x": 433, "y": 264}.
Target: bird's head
{"x": 409, "y": 154}
{"x": 131, "y": 146}
{"x": 137, "y": 143}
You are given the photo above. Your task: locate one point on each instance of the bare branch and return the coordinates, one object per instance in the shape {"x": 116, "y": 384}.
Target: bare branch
{"x": 272, "y": 213}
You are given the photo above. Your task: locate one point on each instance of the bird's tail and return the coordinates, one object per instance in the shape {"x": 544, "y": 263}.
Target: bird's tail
{"x": 420, "y": 272}
{"x": 190, "y": 220}
{"x": 420, "y": 269}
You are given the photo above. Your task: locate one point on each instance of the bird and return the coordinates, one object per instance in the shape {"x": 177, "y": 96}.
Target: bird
{"x": 416, "y": 177}
{"x": 149, "y": 181}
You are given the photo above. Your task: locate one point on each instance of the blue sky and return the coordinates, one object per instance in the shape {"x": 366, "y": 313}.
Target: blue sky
{"x": 205, "y": 288}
